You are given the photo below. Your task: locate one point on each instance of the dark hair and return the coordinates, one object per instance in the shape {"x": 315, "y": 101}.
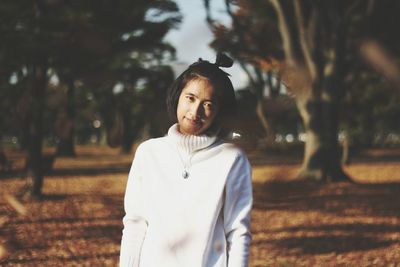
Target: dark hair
{"x": 218, "y": 79}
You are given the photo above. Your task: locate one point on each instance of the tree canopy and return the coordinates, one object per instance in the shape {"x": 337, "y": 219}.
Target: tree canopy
{"x": 313, "y": 46}
{"x": 51, "y": 50}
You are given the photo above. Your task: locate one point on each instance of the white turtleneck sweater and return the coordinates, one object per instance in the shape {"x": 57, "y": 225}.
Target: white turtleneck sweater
{"x": 199, "y": 221}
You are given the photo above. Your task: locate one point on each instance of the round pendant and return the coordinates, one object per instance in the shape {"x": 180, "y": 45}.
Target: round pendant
{"x": 185, "y": 174}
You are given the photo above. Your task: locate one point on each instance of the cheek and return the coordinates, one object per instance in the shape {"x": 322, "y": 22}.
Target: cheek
{"x": 180, "y": 107}
{"x": 211, "y": 115}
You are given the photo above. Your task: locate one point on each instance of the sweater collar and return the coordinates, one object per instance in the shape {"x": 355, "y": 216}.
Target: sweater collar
{"x": 189, "y": 143}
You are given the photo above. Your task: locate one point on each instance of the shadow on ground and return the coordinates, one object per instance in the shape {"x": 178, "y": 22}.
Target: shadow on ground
{"x": 308, "y": 219}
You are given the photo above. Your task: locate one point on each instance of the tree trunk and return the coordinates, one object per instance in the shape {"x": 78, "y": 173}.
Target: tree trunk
{"x": 346, "y": 155}
{"x": 36, "y": 129}
{"x": 66, "y": 125}
{"x": 368, "y": 126}
{"x": 115, "y": 130}
{"x": 321, "y": 160}
{"x": 127, "y": 138}
{"x": 264, "y": 122}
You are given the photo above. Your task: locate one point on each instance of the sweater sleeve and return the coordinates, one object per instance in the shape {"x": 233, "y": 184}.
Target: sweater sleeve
{"x": 237, "y": 208}
{"x": 135, "y": 224}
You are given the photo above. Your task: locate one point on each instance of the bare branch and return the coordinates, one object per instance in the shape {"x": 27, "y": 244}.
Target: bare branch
{"x": 312, "y": 28}
{"x": 303, "y": 40}
{"x": 381, "y": 61}
{"x": 285, "y": 32}
{"x": 209, "y": 19}
{"x": 251, "y": 79}
{"x": 235, "y": 21}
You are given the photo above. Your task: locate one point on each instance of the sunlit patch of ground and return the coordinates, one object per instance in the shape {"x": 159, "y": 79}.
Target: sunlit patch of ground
{"x": 78, "y": 223}
{"x": 375, "y": 173}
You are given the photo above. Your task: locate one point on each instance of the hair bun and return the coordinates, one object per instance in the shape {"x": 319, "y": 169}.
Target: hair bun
{"x": 223, "y": 60}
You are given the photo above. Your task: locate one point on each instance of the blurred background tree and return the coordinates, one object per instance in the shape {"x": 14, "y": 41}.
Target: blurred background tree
{"x": 52, "y": 49}
{"x": 313, "y": 46}
{"x": 97, "y": 73}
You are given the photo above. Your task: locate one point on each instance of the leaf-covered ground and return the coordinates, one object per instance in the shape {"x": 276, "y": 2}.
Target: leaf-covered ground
{"x": 78, "y": 222}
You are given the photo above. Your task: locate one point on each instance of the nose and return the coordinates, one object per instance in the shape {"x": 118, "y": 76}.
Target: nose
{"x": 196, "y": 110}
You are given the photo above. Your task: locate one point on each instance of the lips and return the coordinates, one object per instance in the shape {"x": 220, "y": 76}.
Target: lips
{"x": 193, "y": 121}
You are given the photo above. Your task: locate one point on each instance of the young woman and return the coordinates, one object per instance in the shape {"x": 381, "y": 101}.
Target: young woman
{"x": 189, "y": 194}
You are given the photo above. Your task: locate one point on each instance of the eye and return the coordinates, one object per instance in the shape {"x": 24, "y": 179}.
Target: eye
{"x": 190, "y": 98}
{"x": 208, "y": 105}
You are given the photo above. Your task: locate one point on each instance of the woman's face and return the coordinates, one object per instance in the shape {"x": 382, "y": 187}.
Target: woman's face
{"x": 197, "y": 107}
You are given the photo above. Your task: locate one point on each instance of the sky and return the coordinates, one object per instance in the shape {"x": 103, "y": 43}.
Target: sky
{"x": 192, "y": 37}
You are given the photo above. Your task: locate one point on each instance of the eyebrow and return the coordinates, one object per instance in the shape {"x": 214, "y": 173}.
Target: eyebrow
{"x": 205, "y": 100}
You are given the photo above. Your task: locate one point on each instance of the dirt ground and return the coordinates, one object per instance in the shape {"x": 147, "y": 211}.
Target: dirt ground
{"x": 78, "y": 222}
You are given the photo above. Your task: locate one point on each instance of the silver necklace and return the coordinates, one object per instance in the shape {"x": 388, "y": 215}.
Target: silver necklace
{"x": 187, "y": 165}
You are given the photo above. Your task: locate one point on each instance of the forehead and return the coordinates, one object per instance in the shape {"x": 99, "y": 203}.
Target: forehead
{"x": 201, "y": 88}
